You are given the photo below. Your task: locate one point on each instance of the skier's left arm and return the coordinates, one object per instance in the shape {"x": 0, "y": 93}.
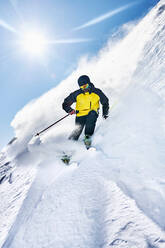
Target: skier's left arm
{"x": 105, "y": 104}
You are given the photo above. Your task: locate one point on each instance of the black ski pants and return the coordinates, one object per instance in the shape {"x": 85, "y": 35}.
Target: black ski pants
{"x": 87, "y": 121}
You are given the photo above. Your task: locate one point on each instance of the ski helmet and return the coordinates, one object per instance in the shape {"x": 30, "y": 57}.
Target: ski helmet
{"x": 83, "y": 80}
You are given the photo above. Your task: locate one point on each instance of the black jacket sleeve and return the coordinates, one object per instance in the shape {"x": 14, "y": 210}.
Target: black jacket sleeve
{"x": 105, "y": 102}
{"x": 68, "y": 101}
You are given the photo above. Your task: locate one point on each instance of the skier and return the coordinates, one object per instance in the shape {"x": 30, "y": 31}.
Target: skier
{"x": 87, "y": 100}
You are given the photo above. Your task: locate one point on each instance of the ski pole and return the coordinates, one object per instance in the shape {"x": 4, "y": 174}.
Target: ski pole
{"x": 51, "y": 125}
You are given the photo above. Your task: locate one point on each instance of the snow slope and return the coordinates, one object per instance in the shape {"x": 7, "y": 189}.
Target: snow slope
{"x": 115, "y": 196}
{"x": 80, "y": 207}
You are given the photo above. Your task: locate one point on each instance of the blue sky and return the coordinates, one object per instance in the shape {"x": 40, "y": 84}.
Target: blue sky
{"x": 72, "y": 29}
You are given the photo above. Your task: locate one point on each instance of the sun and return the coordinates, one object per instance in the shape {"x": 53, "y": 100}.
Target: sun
{"x": 33, "y": 43}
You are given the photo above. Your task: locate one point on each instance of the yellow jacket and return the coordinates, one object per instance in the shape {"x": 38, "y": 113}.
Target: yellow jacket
{"x": 86, "y": 101}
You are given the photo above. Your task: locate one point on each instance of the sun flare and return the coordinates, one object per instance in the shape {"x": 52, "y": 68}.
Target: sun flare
{"x": 34, "y": 43}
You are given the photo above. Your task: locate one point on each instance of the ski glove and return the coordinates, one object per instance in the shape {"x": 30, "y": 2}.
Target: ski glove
{"x": 72, "y": 112}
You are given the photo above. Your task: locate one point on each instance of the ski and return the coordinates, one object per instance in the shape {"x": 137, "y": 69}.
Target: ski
{"x": 92, "y": 148}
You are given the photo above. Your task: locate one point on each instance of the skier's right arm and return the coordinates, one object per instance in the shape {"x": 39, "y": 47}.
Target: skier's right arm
{"x": 68, "y": 101}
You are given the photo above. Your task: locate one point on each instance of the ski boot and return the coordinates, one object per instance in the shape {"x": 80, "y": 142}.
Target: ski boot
{"x": 87, "y": 141}
{"x": 66, "y": 159}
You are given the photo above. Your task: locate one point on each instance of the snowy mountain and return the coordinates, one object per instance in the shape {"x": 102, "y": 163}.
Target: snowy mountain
{"x": 113, "y": 196}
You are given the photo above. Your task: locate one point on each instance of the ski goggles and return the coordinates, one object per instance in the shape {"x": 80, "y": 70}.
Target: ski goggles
{"x": 84, "y": 87}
